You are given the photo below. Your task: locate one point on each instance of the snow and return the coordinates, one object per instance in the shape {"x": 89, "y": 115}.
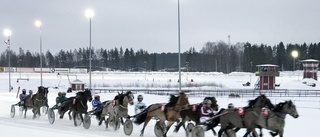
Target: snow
{"x": 305, "y": 125}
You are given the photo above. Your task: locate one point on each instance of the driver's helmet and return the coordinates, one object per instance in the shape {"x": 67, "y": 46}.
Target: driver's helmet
{"x": 230, "y": 105}
{"x": 97, "y": 97}
{"x": 30, "y": 92}
{"x": 24, "y": 91}
{"x": 63, "y": 94}
{"x": 59, "y": 94}
{"x": 140, "y": 98}
{"x": 207, "y": 102}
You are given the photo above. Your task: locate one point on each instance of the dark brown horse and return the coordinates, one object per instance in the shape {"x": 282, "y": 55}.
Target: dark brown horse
{"x": 36, "y": 101}
{"x": 77, "y": 105}
{"x": 192, "y": 112}
{"x": 274, "y": 120}
{"x": 163, "y": 112}
{"x": 248, "y": 120}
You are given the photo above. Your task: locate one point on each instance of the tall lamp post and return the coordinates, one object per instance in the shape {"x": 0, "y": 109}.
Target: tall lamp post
{"x": 179, "y": 56}
{"x": 38, "y": 24}
{"x": 145, "y": 70}
{"x": 8, "y": 33}
{"x": 89, "y": 14}
{"x": 294, "y": 55}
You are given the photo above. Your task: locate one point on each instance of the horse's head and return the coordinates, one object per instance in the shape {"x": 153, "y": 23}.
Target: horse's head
{"x": 42, "y": 91}
{"x": 290, "y": 108}
{"x": 129, "y": 97}
{"x": 261, "y": 101}
{"x": 183, "y": 99}
{"x": 87, "y": 95}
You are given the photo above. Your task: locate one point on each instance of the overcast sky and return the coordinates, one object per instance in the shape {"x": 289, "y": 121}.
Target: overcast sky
{"x": 152, "y": 24}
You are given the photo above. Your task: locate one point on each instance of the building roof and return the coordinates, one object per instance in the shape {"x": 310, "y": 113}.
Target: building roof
{"x": 77, "y": 81}
{"x": 310, "y": 60}
{"x": 267, "y": 65}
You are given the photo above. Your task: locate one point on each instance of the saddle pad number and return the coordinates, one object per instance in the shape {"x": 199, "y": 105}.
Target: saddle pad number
{"x": 194, "y": 107}
{"x": 114, "y": 103}
{"x": 265, "y": 112}
{"x": 162, "y": 108}
{"x": 241, "y": 111}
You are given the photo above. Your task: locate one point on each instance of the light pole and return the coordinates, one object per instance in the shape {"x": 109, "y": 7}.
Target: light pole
{"x": 145, "y": 70}
{"x": 294, "y": 55}
{"x": 8, "y": 33}
{"x": 179, "y": 56}
{"x": 38, "y": 24}
{"x": 89, "y": 14}
{"x": 187, "y": 65}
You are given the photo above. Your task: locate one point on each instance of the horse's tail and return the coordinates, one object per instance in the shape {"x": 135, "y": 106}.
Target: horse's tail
{"x": 141, "y": 117}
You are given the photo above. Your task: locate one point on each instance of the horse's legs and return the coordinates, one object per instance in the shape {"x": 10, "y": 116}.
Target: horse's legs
{"x": 69, "y": 113}
{"x": 181, "y": 123}
{"x": 35, "y": 111}
{"x": 168, "y": 127}
{"x": 101, "y": 120}
{"x": 260, "y": 128}
{"x": 74, "y": 118}
{"x": 148, "y": 118}
{"x": 25, "y": 111}
{"x": 220, "y": 132}
{"x": 254, "y": 132}
{"x": 121, "y": 119}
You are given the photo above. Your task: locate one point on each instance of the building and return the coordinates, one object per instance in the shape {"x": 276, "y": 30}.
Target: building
{"x": 267, "y": 74}
{"x": 310, "y": 68}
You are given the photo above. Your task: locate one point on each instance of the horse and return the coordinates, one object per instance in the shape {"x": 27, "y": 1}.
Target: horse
{"x": 192, "y": 112}
{"x": 117, "y": 109}
{"x": 244, "y": 117}
{"x": 36, "y": 101}
{"x": 274, "y": 119}
{"x": 77, "y": 105}
{"x": 169, "y": 112}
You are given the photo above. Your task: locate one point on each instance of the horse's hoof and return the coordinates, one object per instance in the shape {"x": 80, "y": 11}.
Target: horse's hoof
{"x": 100, "y": 122}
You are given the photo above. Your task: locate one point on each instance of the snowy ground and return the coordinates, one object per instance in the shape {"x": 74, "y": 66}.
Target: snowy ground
{"x": 305, "y": 125}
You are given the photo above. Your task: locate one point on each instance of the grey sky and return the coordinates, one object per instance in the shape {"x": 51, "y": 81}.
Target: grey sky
{"x": 152, "y": 24}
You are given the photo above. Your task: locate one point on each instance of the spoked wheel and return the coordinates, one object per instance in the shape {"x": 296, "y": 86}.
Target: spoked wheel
{"x": 190, "y": 126}
{"x": 159, "y": 128}
{"x": 51, "y": 116}
{"x": 12, "y": 111}
{"x": 77, "y": 120}
{"x": 128, "y": 127}
{"x": 197, "y": 131}
{"x": 86, "y": 121}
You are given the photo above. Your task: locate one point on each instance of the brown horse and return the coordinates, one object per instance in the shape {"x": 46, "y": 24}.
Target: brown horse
{"x": 169, "y": 112}
{"x": 274, "y": 120}
{"x": 36, "y": 101}
{"x": 192, "y": 112}
{"x": 248, "y": 120}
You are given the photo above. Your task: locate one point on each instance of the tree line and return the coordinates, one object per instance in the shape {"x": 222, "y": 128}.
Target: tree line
{"x": 213, "y": 56}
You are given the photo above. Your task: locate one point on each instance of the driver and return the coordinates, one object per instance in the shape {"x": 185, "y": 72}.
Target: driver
{"x": 139, "y": 106}
{"x": 97, "y": 107}
{"x": 206, "y": 112}
{"x": 23, "y": 96}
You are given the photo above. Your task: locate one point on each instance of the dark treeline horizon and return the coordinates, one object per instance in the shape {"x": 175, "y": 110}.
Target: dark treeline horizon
{"x": 212, "y": 57}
